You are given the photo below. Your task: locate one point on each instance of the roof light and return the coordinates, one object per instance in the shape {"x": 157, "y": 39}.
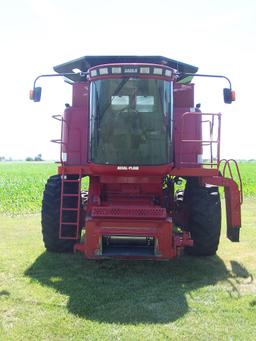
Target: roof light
{"x": 168, "y": 73}
{"x": 116, "y": 70}
{"x": 131, "y": 70}
{"x": 93, "y": 73}
{"x": 157, "y": 71}
{"x": 144, "y": 70}
{"x": 103, "y": 71}
{"x": 76, "y": 70}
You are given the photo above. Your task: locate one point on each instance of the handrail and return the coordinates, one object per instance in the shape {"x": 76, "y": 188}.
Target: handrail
{"x": 57, "y": 141}
{"x": 60, "y": 141}
{"x": 227, "y": 166}
{"x": 209, "y": 142}
{"x": 60, "y": 118}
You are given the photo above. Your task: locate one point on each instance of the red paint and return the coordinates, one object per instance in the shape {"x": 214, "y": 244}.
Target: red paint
{"x": 75, "y": 127}
{"x": 129, "y": 200}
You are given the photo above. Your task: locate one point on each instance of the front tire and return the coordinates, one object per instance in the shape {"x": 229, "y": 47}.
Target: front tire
{"x": 51, "y": 216}
{"x": 204, "y": 222}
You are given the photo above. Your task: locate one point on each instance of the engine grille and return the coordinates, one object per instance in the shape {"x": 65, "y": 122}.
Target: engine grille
{"x": 129, "y": 212}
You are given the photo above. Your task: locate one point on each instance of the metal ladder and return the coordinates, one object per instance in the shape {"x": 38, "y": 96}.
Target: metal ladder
{"x": 70, "y": 207}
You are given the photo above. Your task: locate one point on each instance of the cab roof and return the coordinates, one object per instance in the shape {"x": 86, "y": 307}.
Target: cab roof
{"x": 86, "y": 62}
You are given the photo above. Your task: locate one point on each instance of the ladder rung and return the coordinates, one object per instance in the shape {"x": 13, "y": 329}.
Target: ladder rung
{"x": 77, "y": 180}
{"x": 69, "y": 209}
{"x": 68, "y": 238}
{"x": 70, "y": 195}
{"x": 75, "y": 224}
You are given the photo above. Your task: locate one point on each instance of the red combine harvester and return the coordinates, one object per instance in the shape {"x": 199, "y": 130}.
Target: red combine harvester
{"x": 134, "y": 130}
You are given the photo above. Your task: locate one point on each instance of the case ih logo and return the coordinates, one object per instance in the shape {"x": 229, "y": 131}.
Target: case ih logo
{"x": 132, "y": 168}
{"x": 130, "y": 70}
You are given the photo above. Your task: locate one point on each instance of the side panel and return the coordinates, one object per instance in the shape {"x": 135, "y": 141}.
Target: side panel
{"x": 186, "y": 127}
{"x": 75, "y": 127}
{"x": 183, "y": 95}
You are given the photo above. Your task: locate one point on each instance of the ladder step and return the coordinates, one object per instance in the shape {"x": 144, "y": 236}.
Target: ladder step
{"x": 75, "y": 224}
{"x": 70, "y": 195}
{"x": 68, "y": 238}
{"x": 77, "y": 180}
{"x": 69, "y": 209}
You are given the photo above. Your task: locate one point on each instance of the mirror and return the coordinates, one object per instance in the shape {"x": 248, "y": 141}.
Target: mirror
{"x": 35, "y": 94}
{"x": 229, "y": 95}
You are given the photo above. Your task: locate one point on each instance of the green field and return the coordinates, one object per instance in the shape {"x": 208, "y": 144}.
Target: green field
{"x": 22, "y": 184}
{"x": 45, "y": 296}
{"x": 248, "y": 175}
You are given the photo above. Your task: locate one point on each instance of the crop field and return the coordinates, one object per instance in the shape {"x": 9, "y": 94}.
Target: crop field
{"x": 248, "y": 175}
{"x": 46, "y": 296}
{"x": 22, "y": 184}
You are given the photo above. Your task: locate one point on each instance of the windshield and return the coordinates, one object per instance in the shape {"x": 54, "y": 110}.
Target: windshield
{"x": 130, "y": 121}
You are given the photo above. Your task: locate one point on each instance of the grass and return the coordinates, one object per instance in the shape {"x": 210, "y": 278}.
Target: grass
{"x": 46, "y": 296}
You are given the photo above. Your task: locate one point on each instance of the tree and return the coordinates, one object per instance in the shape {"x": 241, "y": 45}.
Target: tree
{"x": 38, "y": 157}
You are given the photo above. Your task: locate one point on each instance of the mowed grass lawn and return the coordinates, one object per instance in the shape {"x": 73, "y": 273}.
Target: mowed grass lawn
{"x": 46, "y": 296}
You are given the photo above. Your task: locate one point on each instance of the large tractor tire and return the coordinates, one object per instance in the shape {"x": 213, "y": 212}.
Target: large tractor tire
{"x": 204, "y": 218}
{"x": 51, "y": 216}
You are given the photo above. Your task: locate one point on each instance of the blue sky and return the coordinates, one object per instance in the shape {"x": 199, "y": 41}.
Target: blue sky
{"x": 217, "y": 36}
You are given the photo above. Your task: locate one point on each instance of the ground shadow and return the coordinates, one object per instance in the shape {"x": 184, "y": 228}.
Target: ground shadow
{"x": 126, "y": 291}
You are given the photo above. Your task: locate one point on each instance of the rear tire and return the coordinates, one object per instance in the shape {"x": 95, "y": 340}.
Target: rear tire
{"x": 51, "y": 216}
{"x": 204, "y": 222}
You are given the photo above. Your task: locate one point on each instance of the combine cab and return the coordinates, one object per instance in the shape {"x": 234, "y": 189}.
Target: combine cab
{"x": 133, "y": 129}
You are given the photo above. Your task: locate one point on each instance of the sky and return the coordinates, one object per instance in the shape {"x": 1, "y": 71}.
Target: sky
{"x": 217, "y": 36}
